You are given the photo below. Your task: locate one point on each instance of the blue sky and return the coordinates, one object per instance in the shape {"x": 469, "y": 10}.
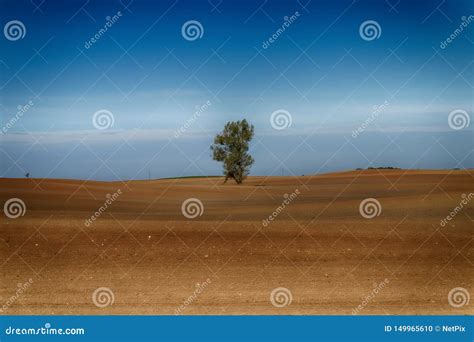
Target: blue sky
{"x": 152, "y": 80}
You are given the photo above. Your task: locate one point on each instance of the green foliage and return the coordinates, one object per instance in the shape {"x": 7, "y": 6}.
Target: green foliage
{"x": 383, "y": 168}
{"x": 231, "y": 148}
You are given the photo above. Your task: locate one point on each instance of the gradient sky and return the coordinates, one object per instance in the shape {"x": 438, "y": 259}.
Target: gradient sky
{"x": 152, "y": 80}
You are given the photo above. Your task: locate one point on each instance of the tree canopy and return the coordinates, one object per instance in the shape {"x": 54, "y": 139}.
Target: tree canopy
{"x": 231, "y": 148}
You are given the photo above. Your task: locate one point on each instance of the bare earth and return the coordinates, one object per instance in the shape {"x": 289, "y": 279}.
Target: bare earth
{"x": 319, "y": 247}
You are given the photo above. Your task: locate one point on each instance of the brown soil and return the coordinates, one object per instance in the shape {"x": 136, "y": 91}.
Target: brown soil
{"x": 319, "y": 247}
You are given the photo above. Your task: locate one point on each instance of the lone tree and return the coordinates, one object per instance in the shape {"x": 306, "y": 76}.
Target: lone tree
{"x": 231, "y": 147}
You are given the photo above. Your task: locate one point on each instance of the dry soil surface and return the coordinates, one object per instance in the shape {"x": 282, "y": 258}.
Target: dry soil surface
{"x": 325, "y": 255}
